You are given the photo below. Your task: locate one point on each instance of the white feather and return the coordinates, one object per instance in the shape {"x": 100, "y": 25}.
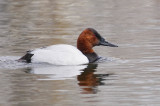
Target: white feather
{"x": 61, "y": 54}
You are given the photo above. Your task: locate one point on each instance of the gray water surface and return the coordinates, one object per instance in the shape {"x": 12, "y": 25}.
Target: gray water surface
{"x": 129, "y": 77}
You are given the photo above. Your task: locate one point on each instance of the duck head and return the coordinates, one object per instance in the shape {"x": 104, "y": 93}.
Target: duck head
{"x": 90, "y": 38}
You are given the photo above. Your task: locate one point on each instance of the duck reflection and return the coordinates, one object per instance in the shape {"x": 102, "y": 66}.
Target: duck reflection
{"x": 56, "y": 72}
{"x": 90, "y": 81}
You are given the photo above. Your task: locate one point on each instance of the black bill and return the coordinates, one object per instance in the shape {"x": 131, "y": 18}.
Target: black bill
{"x": 105, "y": 43}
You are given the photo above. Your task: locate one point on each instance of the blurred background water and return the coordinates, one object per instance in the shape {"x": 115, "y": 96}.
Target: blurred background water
{"x": 129, "y": 77}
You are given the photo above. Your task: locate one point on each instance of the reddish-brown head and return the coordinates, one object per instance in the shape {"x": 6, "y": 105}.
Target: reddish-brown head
{"x": 86, "y": 41}
{"x": 90, "y": 38}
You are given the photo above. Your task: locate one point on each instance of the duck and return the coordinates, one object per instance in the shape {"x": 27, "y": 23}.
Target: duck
{"x": 64, "y": 54}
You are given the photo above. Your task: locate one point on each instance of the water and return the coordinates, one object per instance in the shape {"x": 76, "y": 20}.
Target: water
{"x": 130, "y": 76}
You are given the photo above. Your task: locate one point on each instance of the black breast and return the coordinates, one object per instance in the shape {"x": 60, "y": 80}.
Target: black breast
{"x": 92, "y": 57}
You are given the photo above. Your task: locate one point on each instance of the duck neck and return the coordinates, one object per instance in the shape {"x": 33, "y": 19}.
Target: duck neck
{"x": 86, "y": 49}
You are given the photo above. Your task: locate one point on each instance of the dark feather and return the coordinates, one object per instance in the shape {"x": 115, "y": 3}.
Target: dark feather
{"x": 26, "y": 57}
{"x": 92, "y": 57}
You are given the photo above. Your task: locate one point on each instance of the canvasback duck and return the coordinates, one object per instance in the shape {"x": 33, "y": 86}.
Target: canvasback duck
{"x": 63, "y": 54}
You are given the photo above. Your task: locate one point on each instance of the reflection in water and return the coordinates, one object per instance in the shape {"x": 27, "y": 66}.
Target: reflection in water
{"x": 86, "y": 76}
{"x": 89, "y": 80}
{"x": 56, "y": 72}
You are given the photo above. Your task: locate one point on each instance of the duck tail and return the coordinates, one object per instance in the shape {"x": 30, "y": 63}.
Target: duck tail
{"x": 26, "y": 58}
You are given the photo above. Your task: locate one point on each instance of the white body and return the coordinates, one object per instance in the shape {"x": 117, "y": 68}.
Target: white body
{"x": 61, "y": 54}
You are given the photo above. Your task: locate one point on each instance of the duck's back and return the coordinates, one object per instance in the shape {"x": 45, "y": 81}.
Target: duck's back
{"x": 59, "y": 55}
